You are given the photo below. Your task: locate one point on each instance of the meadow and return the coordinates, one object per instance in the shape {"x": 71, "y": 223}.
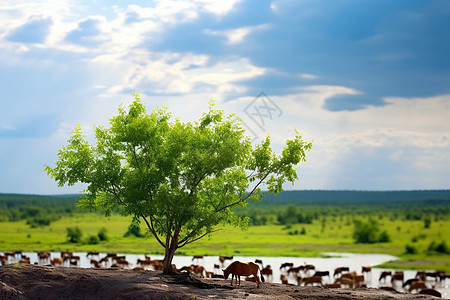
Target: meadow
{"x": 417, "y": 233}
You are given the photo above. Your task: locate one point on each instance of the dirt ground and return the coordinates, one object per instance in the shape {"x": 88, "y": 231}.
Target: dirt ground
{"x": 41, "y": 282}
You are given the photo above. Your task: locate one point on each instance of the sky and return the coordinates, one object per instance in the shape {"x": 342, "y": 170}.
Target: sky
{"x": 368, "y": 81}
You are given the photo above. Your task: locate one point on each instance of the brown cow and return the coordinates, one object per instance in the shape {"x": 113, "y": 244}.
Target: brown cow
{"x": 338, "y": 271}
{"x": 311, "y": 280}
{"x": 284, "y": 279}
{"x": 385, "y": 274}
{"x": 343, "y": 281}
{"x": 267, "y": 271}
{"x": 238, "y": 269}
{"x": 418, "y": 285}
{"x": 56, "y": 261}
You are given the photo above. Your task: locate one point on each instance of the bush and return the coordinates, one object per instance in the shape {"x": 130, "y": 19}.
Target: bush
{"x": 426, "y": 223}
{"x": 74, "y": 234}
{"x": 134, "y": 230}
{"x": 102, "y": 236}
{"x": 93, "y": 240}
{"x": 366, "y": 232}
{"x": 384, "y": 237}
{"x": 439, "y": 248}
{"x": 410, "y": 249}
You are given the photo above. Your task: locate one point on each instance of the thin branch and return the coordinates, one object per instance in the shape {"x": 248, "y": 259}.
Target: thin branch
{"x": 196, "y": 239}
{"x": 152, "y": 230}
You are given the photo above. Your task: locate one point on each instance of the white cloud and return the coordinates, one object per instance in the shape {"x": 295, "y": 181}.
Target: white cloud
{"x": 237, "y": 35}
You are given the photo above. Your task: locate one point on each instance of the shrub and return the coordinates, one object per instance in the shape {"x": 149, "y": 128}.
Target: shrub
{"x": 134, "y": 230}
{"x": 366, "y": 232}
{"x": 410, "y": 249}
{"x": 74, "y": 234}
{"x": 93, "y": 240}
{"x": 102, "y": 236}
{"x": 384, "y": 237}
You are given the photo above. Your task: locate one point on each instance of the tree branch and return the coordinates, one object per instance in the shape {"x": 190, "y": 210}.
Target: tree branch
{"x": 180, "y": 245}
{"x": 152, "y": 230}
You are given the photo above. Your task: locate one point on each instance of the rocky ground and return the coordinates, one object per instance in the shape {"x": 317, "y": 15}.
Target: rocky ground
{"x": 41, "y": 282}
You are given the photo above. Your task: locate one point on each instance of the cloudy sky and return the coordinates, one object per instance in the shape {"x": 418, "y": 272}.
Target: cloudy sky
{"x": 369, "y": 81}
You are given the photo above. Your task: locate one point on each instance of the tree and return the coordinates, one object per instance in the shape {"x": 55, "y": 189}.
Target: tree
{"x": 181, "y": 179}
{"x": 74, "y": 234}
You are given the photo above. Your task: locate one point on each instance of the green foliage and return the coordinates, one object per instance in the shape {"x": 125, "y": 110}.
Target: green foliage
{"x": 410, "y": 249}
{"x": 369, "y": 232}
{"x": 134, "y": 230}
{"x": 439, "y": 248}
{"x": 426, "y": 222}
{"x": 102, "y": 234}
{"x": 74, "y": 234}
{"x": 93, "y": 240}
{"x": 181, "y": 179}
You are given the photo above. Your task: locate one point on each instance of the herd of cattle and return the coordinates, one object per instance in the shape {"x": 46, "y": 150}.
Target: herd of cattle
{"x": 422, "y": 283}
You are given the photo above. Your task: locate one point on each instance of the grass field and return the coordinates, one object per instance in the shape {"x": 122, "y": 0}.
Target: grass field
{"x": 329, "y": 234}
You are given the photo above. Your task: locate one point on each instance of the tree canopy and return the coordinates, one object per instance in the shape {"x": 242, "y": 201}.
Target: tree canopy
{"x": 181, "y": 179}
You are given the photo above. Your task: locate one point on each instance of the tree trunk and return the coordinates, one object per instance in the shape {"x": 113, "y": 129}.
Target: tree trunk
{"x": 167, "y": 262}
{"x": 171, "y": 247}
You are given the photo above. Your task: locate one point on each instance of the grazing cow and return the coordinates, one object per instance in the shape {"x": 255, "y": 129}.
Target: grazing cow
{"x": 431, "y": 292}
{"x": 366, "y": 270}
{"x": 144, "y": 262}
{"x": 209, "y": 274}
{"x": 322, "y": 273}
{"x": 398, "y": 276}
{"x": 56, "y": 261}
{"x": 421, "y": 275}
{"x": 3, "y": 259}
{"x": 44, "y": 257}
{"x": 222, "y": 259}
{"x": 157, "y": 265}
{"x": 238, "y": 269}
{"x": 307, "y": 268}
{"x": 285, "y": 265}
{"x": 359, "y": 281}
{"x": 343, "y": 281}
{"x": 24, "y": 260}
{"x": 385, "y": 274}
{"x": 294, "y": 270}
{"x": 216, "y": 267}
{"x": 259, "y": 261}
{"x": 311, "y": 280}
{"x": 410, "y": 281}
{"x": 95, "y": 263}
{"x": 92, "y": 254}
{"x": 267, "y": 271}
{"x": 199, "y": 270}
{"x": 338, "y": 271}
{"x": 284, "y": 279}
{"x": 418, "y": 285}
{"x": 197, "y": 257}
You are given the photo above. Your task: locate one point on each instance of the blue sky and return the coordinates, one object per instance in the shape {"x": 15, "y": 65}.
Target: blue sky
{"x": 369, "y": 81}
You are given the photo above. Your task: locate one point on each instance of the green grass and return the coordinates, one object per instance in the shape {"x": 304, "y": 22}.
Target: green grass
{"x": 332, "y": 235}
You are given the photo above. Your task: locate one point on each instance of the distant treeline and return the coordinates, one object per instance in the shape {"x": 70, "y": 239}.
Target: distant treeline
{"x": 348, "y": 198}
{"x": 301, "y": 206}
{"x": 38, "y": 210}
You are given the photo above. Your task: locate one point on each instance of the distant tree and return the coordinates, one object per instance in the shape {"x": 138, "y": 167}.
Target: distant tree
{"x": 181, "y": 179}
{"x": 102, "y": 234}
{"x": 134, "y": 230}
{"x": 74, "y": 234}
{"x": 366, "y": 232}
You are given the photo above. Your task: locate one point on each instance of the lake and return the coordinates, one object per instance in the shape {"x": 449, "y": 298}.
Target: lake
{"x": 329, "y": 263}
